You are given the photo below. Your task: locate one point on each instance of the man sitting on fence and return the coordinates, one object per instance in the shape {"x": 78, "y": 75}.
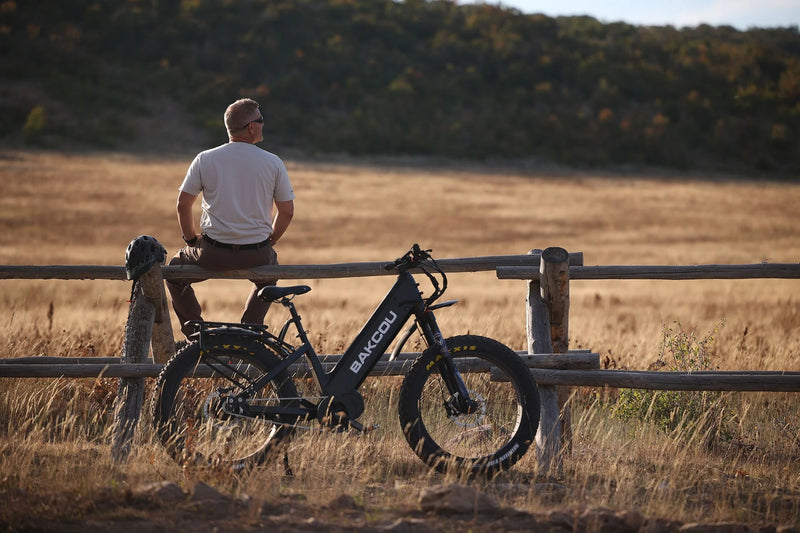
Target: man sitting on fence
{"x": 239, "y": 182}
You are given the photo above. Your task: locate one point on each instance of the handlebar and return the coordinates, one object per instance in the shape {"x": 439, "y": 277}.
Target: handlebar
{"x": 410, "y": 259}
{"x": 416, "y": 257}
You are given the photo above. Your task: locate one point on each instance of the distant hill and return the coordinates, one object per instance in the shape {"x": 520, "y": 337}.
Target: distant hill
{"x": 370, "y": 77}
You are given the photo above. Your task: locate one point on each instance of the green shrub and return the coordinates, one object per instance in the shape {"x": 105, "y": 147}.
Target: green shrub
{"x": 703, "y": 413}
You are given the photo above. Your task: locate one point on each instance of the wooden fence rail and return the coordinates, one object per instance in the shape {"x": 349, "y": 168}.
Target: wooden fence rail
{"x": 759, "y": 270}
{"x": 744, "y": 381}
{"x": 554, "y": 366}
{"x": 87, "y": 367}
{"x": 283, "y": 272}
{"x": 523, "y": 267}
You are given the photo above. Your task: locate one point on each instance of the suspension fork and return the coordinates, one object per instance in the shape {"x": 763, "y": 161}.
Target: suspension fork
{"x": 459, "y": 402}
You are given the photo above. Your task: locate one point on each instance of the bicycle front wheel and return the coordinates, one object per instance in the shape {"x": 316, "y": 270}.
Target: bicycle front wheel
{"x": 499, "y": 431}
{"x": 195, "y": 409}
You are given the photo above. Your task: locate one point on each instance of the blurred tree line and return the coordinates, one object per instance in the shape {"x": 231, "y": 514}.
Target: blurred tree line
{"x": 424, "y": 77}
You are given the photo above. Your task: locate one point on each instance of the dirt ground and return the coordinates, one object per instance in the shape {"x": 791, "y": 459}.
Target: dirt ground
{"x": 445, "y": 508}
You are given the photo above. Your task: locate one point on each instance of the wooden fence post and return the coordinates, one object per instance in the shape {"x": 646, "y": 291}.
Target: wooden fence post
{"x": 547, "y": 315}
{"x": 138, "y": 335}
{"x": 554, "y": 269}
{"x": 163, "y": 340}
{"x": 538, "y": 328}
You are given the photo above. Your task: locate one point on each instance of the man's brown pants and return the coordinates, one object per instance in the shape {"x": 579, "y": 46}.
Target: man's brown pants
{"x": 212, "y": 257}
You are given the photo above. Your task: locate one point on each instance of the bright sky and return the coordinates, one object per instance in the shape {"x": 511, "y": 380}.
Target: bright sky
{"x": 741, "y": 14}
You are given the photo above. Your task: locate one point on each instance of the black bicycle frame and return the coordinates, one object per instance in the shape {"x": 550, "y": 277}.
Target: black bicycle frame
{"x": 401, "y": 302}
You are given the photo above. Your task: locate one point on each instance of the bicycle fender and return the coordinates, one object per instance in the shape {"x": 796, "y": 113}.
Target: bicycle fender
{"x": 233, "y": 333}
{"x": 448, "y": 303}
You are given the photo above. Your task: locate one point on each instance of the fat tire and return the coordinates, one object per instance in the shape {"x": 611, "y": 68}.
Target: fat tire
{"x": 468, "y": 446}
{"x": 177, "y": 377}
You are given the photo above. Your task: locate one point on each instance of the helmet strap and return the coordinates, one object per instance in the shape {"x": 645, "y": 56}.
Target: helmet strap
{"x": 133, "y": 289}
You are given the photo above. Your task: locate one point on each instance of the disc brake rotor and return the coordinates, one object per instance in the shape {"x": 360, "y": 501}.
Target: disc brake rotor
{"x": 213, "y": 407}
{"x": 475, "y": 419}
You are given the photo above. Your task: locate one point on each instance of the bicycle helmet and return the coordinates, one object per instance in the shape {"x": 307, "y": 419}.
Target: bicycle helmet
{"x": 143, "y": 252}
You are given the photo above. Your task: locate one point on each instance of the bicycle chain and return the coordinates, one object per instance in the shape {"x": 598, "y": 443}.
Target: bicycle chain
{"x": 286, "y": 424}
{"x": 354, "y": 425}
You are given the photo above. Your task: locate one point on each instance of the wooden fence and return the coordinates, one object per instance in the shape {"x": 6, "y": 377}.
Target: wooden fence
{"x": 548, "y": 274}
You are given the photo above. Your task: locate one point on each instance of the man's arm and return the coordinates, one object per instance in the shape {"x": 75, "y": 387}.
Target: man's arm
{"x": 282, "y": 219}
{"x": 185, "y": 218}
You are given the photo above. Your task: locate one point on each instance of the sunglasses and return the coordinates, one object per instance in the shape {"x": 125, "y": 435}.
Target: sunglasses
{"x": 260, "y": 120}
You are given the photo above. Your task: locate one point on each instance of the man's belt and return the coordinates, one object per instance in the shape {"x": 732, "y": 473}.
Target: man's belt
{"x": 235, "y": 246}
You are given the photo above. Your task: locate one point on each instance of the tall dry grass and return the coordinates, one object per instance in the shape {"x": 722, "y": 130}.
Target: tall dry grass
{"x": 84, "y": 209}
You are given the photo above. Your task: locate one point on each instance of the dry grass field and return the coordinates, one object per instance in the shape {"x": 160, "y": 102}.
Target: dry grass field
{"x": 84, "y": 209}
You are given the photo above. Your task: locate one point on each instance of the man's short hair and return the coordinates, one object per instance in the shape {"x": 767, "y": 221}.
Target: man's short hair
{"x": 240, "y": 113}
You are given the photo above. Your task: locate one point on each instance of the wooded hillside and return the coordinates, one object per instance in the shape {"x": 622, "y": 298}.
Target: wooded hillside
{"x": 369, "y": 77}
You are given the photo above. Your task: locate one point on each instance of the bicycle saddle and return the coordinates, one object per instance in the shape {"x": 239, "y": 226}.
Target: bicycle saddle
{"x": 272, "y": 293}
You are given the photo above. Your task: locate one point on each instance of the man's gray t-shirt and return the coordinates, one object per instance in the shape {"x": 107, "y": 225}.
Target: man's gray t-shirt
{"x": 239, "y": 182}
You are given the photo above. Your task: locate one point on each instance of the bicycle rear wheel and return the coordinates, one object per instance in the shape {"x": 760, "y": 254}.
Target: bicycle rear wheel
{"x": 492, "y": 438}
{"x": 193, "y": 418}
